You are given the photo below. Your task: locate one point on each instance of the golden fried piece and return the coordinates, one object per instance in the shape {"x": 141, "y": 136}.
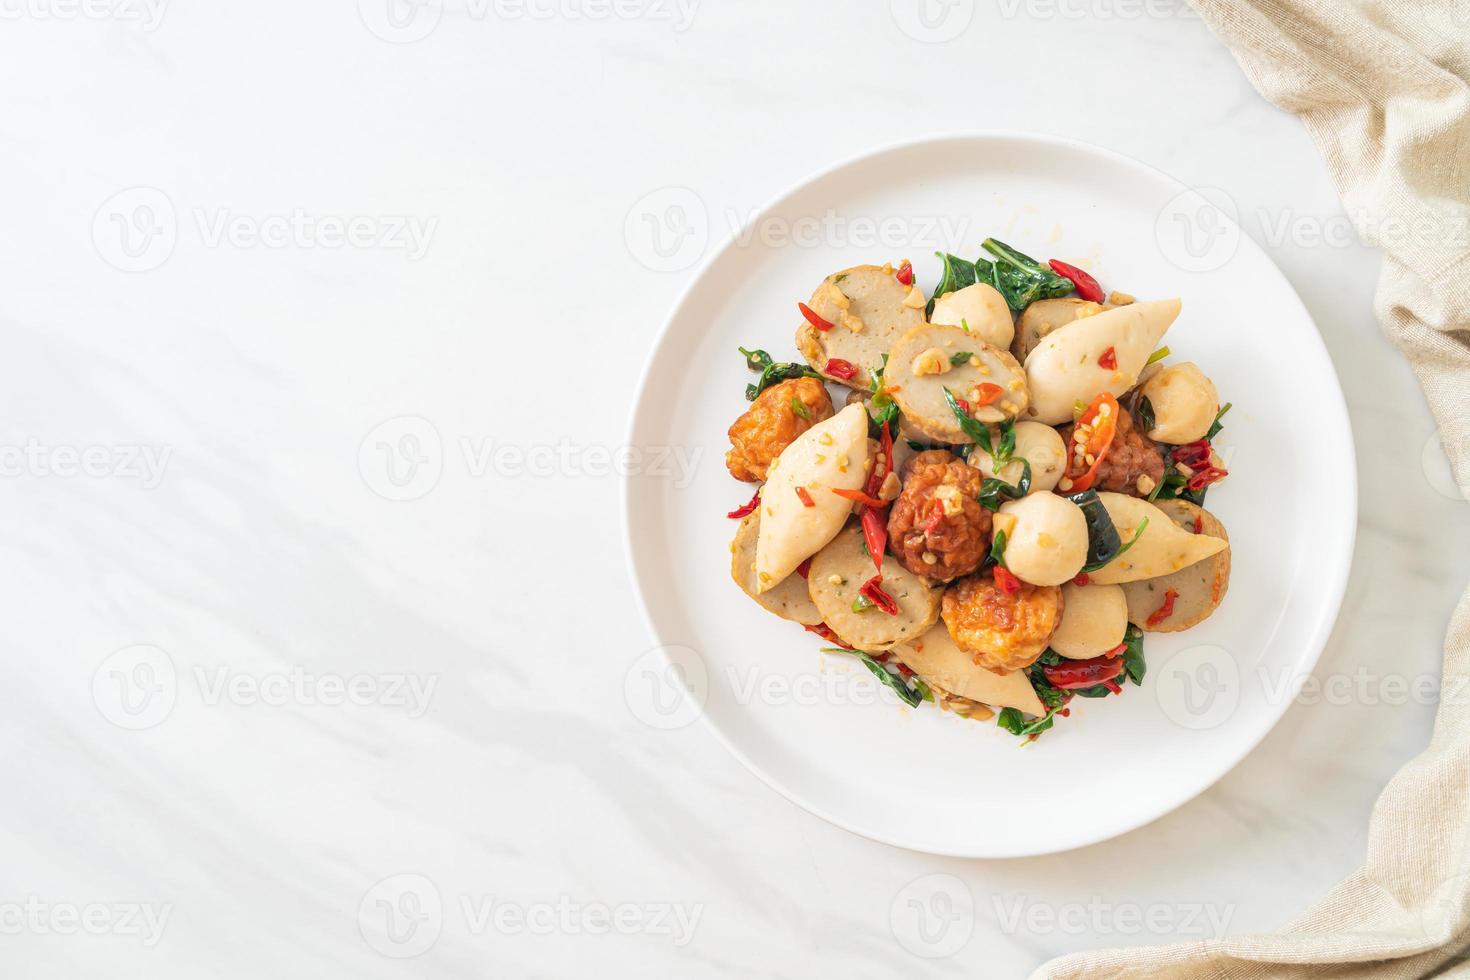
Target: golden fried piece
{"x": 1002, "y": 632}
{"x": 937, "y": 527}
{"x": 772, "y": 423}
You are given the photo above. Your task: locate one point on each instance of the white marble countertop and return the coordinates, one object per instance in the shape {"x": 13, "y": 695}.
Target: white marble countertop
{"x": 253, "y": 253}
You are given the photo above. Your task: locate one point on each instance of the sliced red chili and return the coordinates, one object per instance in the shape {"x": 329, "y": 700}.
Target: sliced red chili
{"x": 838, "y": 368}
{"x": 1109, "y": 359}
{"x": 905, "y": 273}
{"x": 873, "y": 589}
{"x": 746, "y": 509}
{"x": 964, "y": 405}
{"x": 813, "y": 318}
{"x": 1199, "y": 523}
{"x": 860, "y": 497}
{"x": 935, "y": 519}
{"x": 1097, "y": 443}
{"x": 825, "y": 632}
{"x": 1072, "y": 675}
{"x": 1165, "y": 610}
{"x": 875, "y": 533}
{"x": 880, "y": 470}
{"x": 1118, "y": 650}
{"x": 987, "y": 393}
{"x": 1195, "y": 455}
{"x": 1087, "y": 287}
{"x": 804, "y": 568}
{"x": 806, "y": 498}
{"x": 1203, "y": 478}
{"x": 1007, "y": 580}
{"x": 1081, "y": 579}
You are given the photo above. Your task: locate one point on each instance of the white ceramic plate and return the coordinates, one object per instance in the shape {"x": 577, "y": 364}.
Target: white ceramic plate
{"x": 813, "y": 726}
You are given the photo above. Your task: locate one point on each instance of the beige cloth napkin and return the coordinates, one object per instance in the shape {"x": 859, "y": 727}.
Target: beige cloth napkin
{"x": 1381, "y": 86}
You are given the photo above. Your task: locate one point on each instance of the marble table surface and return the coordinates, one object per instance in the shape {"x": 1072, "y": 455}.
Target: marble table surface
{"x": 296, "y": 685}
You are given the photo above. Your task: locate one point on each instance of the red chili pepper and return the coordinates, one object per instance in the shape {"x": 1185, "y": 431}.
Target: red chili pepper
{"x": 1071, "y": 675}
{"x": 812, "y": 318}
{"x": 1199, "y": 523}
{"x": 1164, "y": 611}
{"x": 1087, "y": 286}
{"x": 1007, "y": 581}
{"x": 746, "y": 509}
{"x": 806, "y": 498}
{"x": 875, "y": 533}
{"x": 873, "y": 589}
{"x": 1195, "y": 455}
{"x": 880, "y": 472}
{"x": 804, "y": 568}
{"x": 1113, "y": 686}
{"x": 1108, "y": 360}
{"x": 987, "y": 393}
{"x": 825, "y": 632}
{"x": 839, "y": 368}
{"x": 1081, "y": 579}
{"x": 905, "y": 273}
{"x": 964, "y": 405}
{"x": 1118, "y": 650}
{"x": 860, "y": 497}
{"x": 935, "y": 519}
{"x": 1099, "y": 442}
{"x": 1205, "y": 477}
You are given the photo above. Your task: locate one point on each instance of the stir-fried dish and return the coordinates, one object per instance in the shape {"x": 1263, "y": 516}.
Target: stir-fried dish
{"x": 1009, "y": 497}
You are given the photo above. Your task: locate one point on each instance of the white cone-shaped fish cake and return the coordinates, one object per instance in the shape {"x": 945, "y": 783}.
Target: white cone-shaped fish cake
{"x": 1164, "y": 547}
{"x": 1066, "y": 366}
{"x": 943, "y": 665}
{"x": 831, "y": 455}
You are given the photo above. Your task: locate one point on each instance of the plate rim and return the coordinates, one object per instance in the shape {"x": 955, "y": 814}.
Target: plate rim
{"x": 1335, "y": 583}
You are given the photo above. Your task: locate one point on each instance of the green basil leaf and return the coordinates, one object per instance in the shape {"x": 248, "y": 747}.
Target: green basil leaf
{"x": 995, "y": 491}
{"x": 956, "y": 275}
{"x": 892, "y": 681}
{"x": 976, "y": 430}
{"x": 955, "y": 360}
{"x": 1217, "y": 425}
{"x": 1142, "y": 526}
{"x": 1133, "y": 664}
{"x": 1103, "y": 542}
{"x": 1145, "y": 414}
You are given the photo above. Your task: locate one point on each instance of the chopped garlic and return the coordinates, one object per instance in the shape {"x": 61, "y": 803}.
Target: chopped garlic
{"x": 931, "y": 361}
{"x": 852, "y": 322}
{"x": 1121, "y": 299}
{"x": 915, "y": 299}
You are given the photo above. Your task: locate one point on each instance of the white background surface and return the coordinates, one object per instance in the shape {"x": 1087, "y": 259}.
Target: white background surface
{"x": 260, "y": 826}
